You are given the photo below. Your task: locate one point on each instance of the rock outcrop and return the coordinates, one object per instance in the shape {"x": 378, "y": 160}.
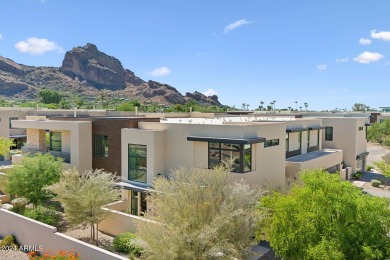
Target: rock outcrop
{"x": 87, "y": 71}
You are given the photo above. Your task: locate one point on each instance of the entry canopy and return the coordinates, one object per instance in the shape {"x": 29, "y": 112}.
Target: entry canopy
{"x": 134, "y": 187}
{"x": 253, "y": 140}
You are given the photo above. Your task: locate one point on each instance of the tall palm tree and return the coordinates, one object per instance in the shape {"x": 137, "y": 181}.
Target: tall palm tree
{"x": 296, "y": 103}
{"x": 261, "y": 105}
{"x": 306, "y": 105}
{"x": 274, "y": 103}
{"x": 247, "y": 106}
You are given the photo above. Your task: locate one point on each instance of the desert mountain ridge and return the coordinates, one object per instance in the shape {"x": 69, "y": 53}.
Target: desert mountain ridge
{"x": 86, "y": 71}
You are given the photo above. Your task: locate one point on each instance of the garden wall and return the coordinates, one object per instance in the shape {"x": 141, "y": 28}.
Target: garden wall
{"x": 33, "y": 233}
{"x": 118, "y": 222}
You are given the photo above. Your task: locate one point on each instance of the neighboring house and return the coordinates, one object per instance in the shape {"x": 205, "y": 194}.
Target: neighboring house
{"x": 349, "y": 135}
{"x": 85, "y": 142}
{"x": 70, "y": 140}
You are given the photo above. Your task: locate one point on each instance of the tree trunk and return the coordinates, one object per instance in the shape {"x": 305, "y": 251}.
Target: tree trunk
{"x": 97, "y": 233}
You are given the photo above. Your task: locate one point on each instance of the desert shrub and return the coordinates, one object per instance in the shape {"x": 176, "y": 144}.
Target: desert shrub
{"x": 127, "y": 243}
{"x": 369, "y": 168}
{"x": 385, "y": 140}
{"x": 45, "y": 215}
{"x": 357, "y": 175}
{"x": 19, "y": 204}
{"x": 8, "y": 241}
{"x": 375, "y": 183}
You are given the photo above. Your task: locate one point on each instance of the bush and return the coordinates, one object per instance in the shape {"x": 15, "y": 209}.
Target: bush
{"x": 375, "y": 183}
{"x": 127, "y": 243}
{"x": 19, "y": 204}
{"x": 45, "y": 215}
{"x": 357, "y": 175}
{"x": 8, "y": 241}
{"x": 369, "y": 168}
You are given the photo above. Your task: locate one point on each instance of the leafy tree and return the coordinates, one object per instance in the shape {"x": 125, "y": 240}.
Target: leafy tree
{"x": 5, "y": 145}
{"x": 30, "y": 178}
{"x": 360, "y": 107}
{"x": 48, "y": 96}
{"x": 379, "y": 132}
{"x": 83, "y": 196}
{"x": 325, "y": 218}
{"x": 384, "y": 167}
{"x": 203, "y": 215}
{"x": 126, "y": 106}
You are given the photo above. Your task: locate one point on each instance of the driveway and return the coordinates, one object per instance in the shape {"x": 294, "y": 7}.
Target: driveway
{"x": 375, "y": 153}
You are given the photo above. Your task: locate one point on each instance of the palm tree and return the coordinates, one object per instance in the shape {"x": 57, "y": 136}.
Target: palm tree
{"x": 300, "y": 108}
{"x": 243, "y": 106}
{"x": 274, "y": 103}
{"x": 247, "y": 106}
{"x": 261, "y": 105}
{"x": 306, "y": 105}
{"x": 289, "y": 108}
{"x": 296, "y": 103}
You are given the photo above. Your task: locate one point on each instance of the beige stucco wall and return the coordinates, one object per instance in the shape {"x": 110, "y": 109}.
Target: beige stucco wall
{"x": 268, "y": 163}
{"x": 76, "y": 138}
{"x": 324, "y": 162}
{"x": 346, "y": 137}
{"x": 30, "y": 232}
{"x": 155, "y": 145}
{"x": 5, "y": 114}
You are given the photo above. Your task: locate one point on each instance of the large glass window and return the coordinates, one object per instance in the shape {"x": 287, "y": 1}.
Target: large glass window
{"x": 328, "y": 133}
{"x": 100, "y": 145}
{"x": 137, "y": 162}
{"x": 54, "y": 143}
{"x": 240, "y": 155}
{"x": 138, "y": 204}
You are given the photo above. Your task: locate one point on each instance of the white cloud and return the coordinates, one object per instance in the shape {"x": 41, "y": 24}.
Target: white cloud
{"x": 1, "y": 36}
{"x": 37, "y": 46}
{"x": 322, "y": 67}
{"x": 365, "y": 41}
{"x": 368, "y": 57}
{"x": 210, "y": 92}
{"x": 163, "y": 71}
{"x": 342, "y": 60}
{"x": 380, "y": 35}
{"x": 235, "y": 25}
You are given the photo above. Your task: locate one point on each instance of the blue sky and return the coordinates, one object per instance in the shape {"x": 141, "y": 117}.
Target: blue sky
{"x": 330, "y": 54}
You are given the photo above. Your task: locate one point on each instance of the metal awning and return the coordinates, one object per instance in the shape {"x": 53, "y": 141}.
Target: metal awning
{"x": 362, "y": 155}
{"x": 367, "y": 124}
{"x": 295, "y": 130}
{"x": 254, "y": 140}
{"x": 316, "y": 127}
{"x": 17, "y": 136}
{"x": 134, "y": 187}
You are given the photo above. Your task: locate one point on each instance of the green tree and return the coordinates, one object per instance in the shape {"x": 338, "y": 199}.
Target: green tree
{"x": 203, "y": 215}
{"x": 5, "y": 145}
{"x": 126, "y": 106}
{"x": 384, "y": 167}
{"x": 379, "y": 132}
{"x": 306, "y": 105}
{"x": 325, "y": 218}
{"x": 48, "y": 96}
{"x": 30, "y": 178}
{"x": 360, "y": 107}
{"x": 83, "y": 197}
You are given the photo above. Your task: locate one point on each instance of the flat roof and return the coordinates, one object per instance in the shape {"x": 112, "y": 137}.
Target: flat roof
{"x": 227, "y": 140}
{"x": 310, "y": 156}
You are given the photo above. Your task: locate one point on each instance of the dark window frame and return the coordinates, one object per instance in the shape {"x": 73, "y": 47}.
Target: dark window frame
{"x": 241, "y": 158}
{"x": 137, "y": 159}
{"x": 55, "y": 144}
{"x": 100, "y": 143}
{"x": 271, "y": 142}
{"x": 329, "y": 133}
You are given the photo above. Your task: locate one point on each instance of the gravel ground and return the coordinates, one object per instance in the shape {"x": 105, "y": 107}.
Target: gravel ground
{"x": 13, "y": 255}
